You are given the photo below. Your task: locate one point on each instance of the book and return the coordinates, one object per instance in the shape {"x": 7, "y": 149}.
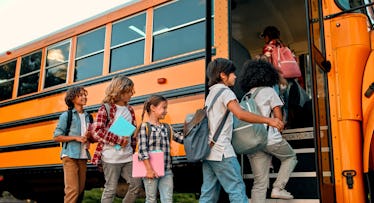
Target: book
{"x": 121, "y": 127}
{"x": 156, "y": 159}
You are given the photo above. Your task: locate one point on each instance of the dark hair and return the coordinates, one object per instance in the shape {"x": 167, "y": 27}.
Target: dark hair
{"x": 218, "y": 66}
{"x": 272, "y": 32}
{"x": 71, "y": 93}
{"x": 257, "y": 73}
{"x": 152, "y": 100}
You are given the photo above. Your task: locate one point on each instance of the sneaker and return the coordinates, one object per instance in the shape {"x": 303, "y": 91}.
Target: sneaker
{"x": 278, "y": 193}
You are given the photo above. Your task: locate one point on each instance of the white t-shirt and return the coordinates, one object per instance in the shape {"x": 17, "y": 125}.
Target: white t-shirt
{"x": 110, "y": 154}
{"x": 267, "y": 99}
{"x": 222, "y": 147}
{"x": 83, "y": 131}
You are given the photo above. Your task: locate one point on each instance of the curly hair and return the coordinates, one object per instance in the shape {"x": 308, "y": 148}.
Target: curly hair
{"x": 118, "y": 85}
{"x": 218, "y": 66}
{"x": 71, "y": 93}
{"x": 257, "y": 73}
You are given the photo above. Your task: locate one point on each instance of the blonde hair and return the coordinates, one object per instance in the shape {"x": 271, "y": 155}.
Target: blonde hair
{"x": 117, "y": 86}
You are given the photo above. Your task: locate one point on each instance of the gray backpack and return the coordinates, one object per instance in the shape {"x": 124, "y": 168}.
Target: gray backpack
{"x": 247, "y": 137}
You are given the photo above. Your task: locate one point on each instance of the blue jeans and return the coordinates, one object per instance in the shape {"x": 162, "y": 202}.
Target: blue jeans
{"x": 112, "y": 173}
{"x": 225, "y": 173}
{"x": 164, "y": 185}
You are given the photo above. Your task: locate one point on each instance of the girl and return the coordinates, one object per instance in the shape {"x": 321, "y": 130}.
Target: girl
{"x": 221, "y": 167}
{"x": 157, "y": 138}
{"x": 262, "y": 74}
{"x": 116, "y": 163}
{"x": 74, "y": 153}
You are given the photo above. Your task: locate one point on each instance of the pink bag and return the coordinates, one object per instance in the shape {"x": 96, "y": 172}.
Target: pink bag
{"x": 284, "y": 61}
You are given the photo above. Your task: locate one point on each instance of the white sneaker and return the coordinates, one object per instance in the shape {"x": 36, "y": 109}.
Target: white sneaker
{"x": 278, "y": 193}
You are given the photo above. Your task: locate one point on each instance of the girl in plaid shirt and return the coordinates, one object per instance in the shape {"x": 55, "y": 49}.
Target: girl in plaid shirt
{"x": 116, "y": 162}
{"x": 157, "y": 138}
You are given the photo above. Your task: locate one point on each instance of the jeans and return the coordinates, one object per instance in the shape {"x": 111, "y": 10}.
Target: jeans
{"x": 164, "y": 185}
{"x": 112, "y": 173}
{"x": 74, "y": 178}
{"x": 225, "y": 173}
{"x": 260, "y": 163}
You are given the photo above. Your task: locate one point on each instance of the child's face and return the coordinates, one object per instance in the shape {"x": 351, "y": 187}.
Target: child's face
{"x": 81, "y": 98}
{"x": 228, "y": 80}
{"x": 160, "y": 110}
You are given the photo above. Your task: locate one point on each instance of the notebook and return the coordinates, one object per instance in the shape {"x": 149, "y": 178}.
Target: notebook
{"x": 157, "y": 161}
{"x": 122, "y": 127}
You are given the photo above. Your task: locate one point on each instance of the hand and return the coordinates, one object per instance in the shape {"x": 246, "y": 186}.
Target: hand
{"x": 151, "y": 174}
{"x": 124, "y": 143}
{"x": 275, "y": 122}
{"x": 81, "y": 139}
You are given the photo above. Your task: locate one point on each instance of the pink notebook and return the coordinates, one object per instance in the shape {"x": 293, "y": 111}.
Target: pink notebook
{"x": 157, "y": 162}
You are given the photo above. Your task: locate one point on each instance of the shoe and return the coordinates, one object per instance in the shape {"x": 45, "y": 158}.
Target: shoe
{"x": 278, "y": 193}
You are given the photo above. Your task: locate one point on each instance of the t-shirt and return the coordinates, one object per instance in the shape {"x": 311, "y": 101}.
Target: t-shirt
{"x": 222, "y": 147}
{"x": 267, "y": 99}
{"x": 82, "y": 118}
{"x": 112, "y": 155}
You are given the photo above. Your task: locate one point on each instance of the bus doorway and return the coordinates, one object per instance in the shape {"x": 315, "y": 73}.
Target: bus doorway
{"x": 312, "y": 177}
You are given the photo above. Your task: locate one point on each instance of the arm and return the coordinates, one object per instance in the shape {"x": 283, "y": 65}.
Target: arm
{"x": 244, "y": 115}
{"x": 277, "y": 111}
{"x": 64, "y": 138}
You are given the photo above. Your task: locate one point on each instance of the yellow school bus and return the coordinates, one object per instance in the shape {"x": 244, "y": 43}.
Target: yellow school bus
{"x": 164, "y": 47}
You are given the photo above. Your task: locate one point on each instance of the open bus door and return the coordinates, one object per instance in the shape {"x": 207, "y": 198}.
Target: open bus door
{"x": 319, "y": 68}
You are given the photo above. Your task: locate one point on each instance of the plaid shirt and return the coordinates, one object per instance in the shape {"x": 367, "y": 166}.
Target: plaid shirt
{"x": 158, "y": 140}
{"x": 103, "y": 136}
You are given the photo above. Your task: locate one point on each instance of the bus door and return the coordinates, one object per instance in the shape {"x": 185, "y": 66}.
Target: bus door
{"x": 319, "y": 67}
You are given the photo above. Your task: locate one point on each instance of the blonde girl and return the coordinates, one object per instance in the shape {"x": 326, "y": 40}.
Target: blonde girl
{"x": 157, "y": 138}
{"x": 116, "y": 162}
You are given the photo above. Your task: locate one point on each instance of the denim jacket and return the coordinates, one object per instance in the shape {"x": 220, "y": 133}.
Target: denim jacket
{"x": 73, "y": 149}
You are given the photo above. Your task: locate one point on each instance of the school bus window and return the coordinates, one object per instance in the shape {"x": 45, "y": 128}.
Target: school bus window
{"x": 127, "y": 43}
{"x": 348, "y": 4}
{"x": 176, "y": 31}
{"x": 29, "y": 75}
{"x": 56, "y": 65}
{"x": 7, "y": 73}
{"x": 89, "y": 55}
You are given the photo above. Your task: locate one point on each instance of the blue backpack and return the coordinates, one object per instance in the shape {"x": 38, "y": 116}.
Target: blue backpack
{"x": 247, "y": 137}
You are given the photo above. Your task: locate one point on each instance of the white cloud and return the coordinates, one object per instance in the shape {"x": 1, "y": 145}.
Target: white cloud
{"x": 27, "y": 20}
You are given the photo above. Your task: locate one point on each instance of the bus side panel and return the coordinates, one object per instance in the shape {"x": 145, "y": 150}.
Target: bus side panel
{"x": 350, "y": 49}
{"x": 192, "y": 73}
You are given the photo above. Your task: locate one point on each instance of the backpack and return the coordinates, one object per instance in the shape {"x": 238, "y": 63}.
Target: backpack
{"x": 247, "y": 137}
{"x": 284, "y": 60}
{"x": 196, "y": 131}
{"x": 68, "y": 123}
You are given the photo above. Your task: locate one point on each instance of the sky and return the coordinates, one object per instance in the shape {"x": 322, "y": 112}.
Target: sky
{"x": 27, "y": 20}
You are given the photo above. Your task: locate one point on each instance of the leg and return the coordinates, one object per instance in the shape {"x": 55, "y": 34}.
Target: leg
{"x": 150, "y": 186}
{"x": 165, "y": 187}
{"x": 284, "y": 152}
{"x": 228, "y": 174}
{"x": 71, "y": 178}
{"x": 260, "y": 163}
{"x": 135, "y": 184}
{"x": 82, "y": 164}
{"x": 111, "y": 175}
{"x": 211, "y": 187}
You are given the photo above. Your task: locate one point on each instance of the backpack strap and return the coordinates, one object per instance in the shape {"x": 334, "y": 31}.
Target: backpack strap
{"x": 215, "y": 99}
{"x": 107, "y": 109}
{"x": 218, "y": 131}
{"x": 68, "y": 125}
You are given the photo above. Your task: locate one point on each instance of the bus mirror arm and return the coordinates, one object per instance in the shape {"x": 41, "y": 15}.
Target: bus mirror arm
{"x": 369, "y": 91}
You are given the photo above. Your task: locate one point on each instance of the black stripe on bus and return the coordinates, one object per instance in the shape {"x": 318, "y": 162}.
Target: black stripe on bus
{"x": 151, "y": 67}
{"x": 186, "y": 91}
